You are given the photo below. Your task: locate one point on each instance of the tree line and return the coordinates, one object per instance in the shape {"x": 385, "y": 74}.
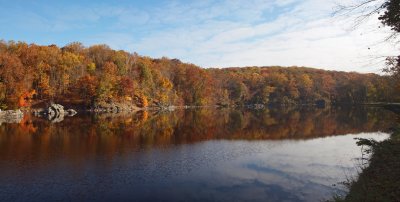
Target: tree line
{"x": 89, "y": 76}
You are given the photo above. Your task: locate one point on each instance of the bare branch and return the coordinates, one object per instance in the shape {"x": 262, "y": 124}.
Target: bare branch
{"x": 363, "y": 10}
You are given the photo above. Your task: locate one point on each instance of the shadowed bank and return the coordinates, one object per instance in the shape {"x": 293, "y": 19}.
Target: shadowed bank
{"x": 380, "y": 180}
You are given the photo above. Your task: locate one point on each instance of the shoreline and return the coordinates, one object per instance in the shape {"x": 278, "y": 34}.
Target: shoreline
{"x": 13, "y": 116}
{"x": 395, "y": 107}
{"x": 380, "y": 180}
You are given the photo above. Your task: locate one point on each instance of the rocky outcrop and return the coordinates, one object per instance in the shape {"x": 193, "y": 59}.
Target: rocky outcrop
{"x": 113, "y": 107}
{"x": 55, "y": 110}
{"x": 54, "y": 113}
{"x": 11, "y": 116}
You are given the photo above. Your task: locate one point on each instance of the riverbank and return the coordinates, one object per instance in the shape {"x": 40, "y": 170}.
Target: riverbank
{"x": 380, "y": 181}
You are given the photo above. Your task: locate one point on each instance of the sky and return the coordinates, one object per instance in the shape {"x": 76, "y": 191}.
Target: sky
{"x": 208, "y": 33}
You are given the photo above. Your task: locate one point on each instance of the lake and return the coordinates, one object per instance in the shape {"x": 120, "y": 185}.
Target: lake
{"x": 187, "y": 155}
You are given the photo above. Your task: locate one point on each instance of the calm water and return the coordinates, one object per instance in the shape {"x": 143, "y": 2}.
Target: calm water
{"x": 186, "y": 155}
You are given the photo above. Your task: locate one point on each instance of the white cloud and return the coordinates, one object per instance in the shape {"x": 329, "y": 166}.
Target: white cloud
{"x": 305, "y": 36}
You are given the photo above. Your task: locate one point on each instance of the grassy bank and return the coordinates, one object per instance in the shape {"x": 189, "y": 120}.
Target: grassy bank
{"x": 380, "y": 181}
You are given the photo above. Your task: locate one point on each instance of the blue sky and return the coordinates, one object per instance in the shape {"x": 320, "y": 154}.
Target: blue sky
{"x": 208, "y": 33}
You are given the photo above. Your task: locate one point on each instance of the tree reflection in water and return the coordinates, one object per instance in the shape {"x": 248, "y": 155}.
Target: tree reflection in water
{"x": 118, "y": 133}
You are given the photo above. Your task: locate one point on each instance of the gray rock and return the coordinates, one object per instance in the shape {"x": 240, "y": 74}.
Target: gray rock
{"x": 55, "y": 109}
{"x": 259, "y": 106}
{"x": 54, "y": 113}
{"x": 109, "y": 107}
{"x": 11, "y": 116}
{"x": 71, "y": 112}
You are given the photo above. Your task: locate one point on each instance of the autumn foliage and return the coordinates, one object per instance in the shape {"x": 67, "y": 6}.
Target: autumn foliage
{"x": 75, "y": 74}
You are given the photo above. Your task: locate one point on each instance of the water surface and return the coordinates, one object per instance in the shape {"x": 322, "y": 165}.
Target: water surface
{"x": 187, "y": 155}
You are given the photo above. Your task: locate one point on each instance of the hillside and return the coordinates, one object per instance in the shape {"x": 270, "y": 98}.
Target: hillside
{"x": 89, "y": 76}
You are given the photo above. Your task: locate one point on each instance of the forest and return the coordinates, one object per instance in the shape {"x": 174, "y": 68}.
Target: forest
{"x": 31, "y": 74}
